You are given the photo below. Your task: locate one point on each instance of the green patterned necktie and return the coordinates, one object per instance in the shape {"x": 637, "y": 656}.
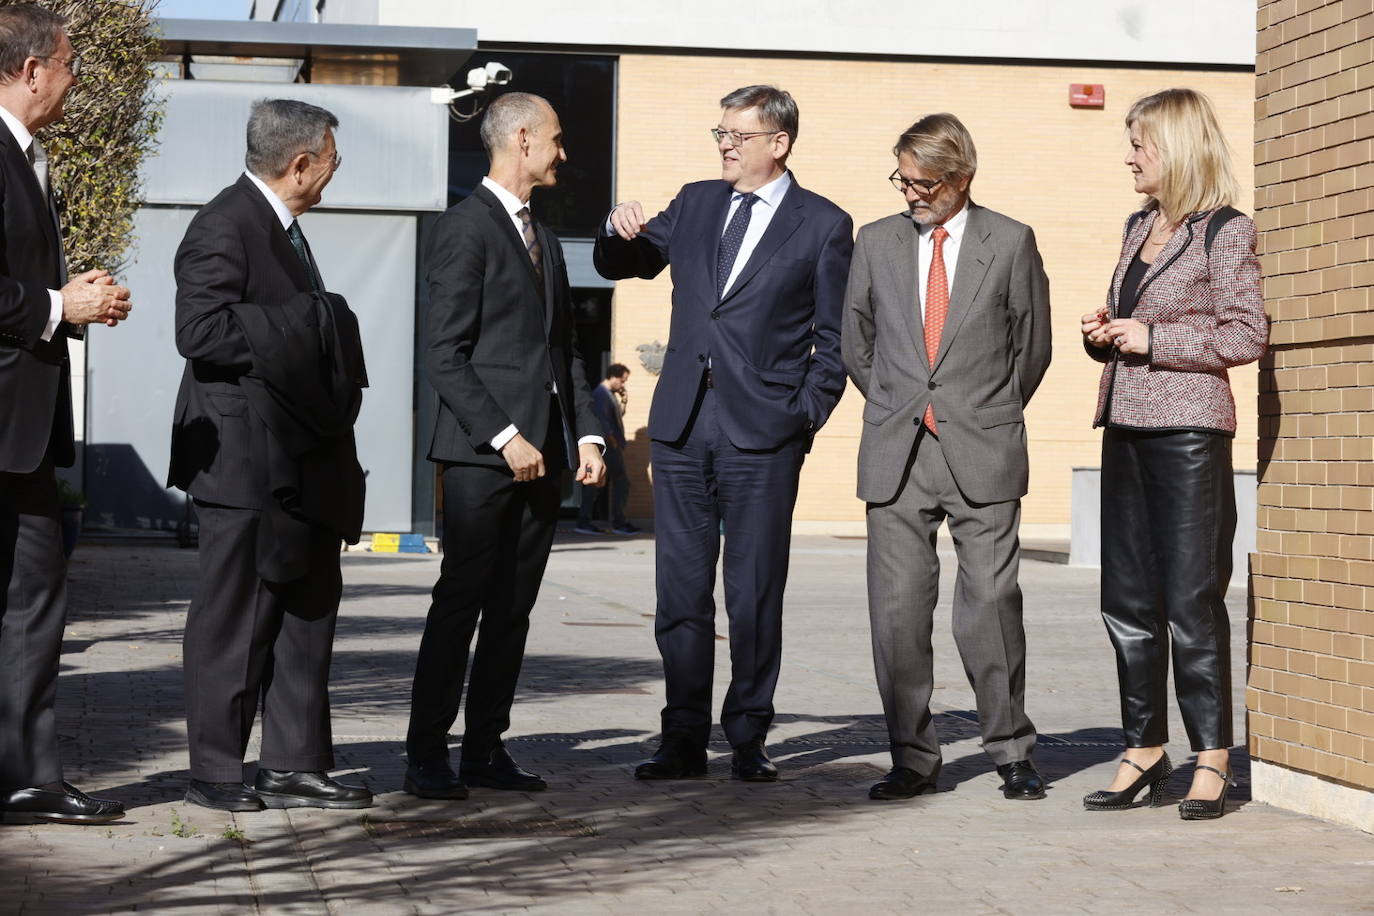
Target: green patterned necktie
{"x": 298, "y": 243}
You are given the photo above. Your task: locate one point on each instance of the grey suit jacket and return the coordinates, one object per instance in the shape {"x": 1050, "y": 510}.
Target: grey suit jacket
{"x": 993, "y": 352}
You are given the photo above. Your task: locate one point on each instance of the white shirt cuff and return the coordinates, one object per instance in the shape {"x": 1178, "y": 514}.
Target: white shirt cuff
{"x": 54, "y": 315}
{"x": 608, "y": 230}
{"x": 499, "y": 440}
{"x": 594, "y": 440}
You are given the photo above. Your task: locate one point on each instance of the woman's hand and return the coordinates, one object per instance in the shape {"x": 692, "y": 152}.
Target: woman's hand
{"x": 1093, "y": 324}
{"x": 1128, "y": 335}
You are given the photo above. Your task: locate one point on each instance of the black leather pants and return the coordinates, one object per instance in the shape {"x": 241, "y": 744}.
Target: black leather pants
{"x": 1168, "y": 516}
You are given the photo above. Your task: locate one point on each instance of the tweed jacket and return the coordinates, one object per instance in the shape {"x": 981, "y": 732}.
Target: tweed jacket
{"x": 1205, "y": 313}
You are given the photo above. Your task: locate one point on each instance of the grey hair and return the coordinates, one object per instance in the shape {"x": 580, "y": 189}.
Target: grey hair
{"x": 26, "y": 31}
{"x": 940, "y": 143}
{"x": 279, "y": 130}
{"x": 776, "y": 107}
{"x": 509, "y": 112}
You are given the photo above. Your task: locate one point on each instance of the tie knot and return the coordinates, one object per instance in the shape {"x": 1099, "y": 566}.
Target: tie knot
{"x": 940, "y": 234}
{"x": 294, "y": 230}
{"x": 747, "y": 200}
{"x": 524, "y": 215}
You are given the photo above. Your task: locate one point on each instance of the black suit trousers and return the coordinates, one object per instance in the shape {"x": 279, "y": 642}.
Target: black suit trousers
{"x": 249, "y": 641}
{"x": 497, "y": 537}
{"x": 32, "y": 617}
{"x": 700, "y": 483}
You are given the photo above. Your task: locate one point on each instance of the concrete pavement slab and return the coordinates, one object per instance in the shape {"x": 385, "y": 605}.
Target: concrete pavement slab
{"x": 598, "y": 841}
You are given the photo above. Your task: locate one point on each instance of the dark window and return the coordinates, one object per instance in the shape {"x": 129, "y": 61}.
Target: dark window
{"x": 581, "y": 89}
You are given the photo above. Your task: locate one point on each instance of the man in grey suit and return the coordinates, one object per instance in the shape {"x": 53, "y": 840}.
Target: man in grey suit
{"x": 947, "y": 334}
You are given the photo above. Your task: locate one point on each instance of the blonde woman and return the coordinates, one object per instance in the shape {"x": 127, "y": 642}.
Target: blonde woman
{"x": 1184, "y": 306}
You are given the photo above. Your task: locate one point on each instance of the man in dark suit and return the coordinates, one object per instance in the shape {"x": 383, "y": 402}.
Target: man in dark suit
{"x": 514, "y": 412}
{"x": 608, "y": 406}
{"x": 947, "y": 334}
{"x": 752, "y": 370}
{"x": 39, "y": 309}
{"x": 258, "y": 630}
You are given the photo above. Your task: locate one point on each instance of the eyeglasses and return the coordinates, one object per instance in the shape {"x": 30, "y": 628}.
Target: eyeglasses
{"x": 736, "y": 137}
{"x": 72, "y": 63}
{"x": 335, "y": 163}
{"x": 919, "y": 185}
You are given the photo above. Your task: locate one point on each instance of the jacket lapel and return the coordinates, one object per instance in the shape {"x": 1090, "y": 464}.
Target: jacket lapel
{"x": 506, "y": 229}
{"x": 903, "y": 256}
{"x": 975, "y": 257}
{"x": 550, "y": 268}
{"x": 18, "y": 164}
{"x": 783, "y": 224}
{"x": 277, "y": 239}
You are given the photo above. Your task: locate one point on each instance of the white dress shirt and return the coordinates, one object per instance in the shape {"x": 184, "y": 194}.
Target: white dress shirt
{"x": 514, "y": 205}
{"x": 25, "y": 140}
{"x": 925, "y": 252}
{"x": 770, "y": 196}
{"x": 278, "y": 207}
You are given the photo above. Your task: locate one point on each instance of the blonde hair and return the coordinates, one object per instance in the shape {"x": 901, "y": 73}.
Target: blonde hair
{"x": 1194, "y": 160}
{"x": 941, "y": 144}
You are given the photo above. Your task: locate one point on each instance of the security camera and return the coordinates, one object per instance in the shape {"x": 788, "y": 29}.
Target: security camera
{"x": 480, "y": 80}
{"x": 493, "y": 74}
{"x": 498, "y": 74}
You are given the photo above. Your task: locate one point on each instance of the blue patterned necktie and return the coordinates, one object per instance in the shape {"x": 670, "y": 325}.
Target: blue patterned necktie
{"x": 731, "y": 240}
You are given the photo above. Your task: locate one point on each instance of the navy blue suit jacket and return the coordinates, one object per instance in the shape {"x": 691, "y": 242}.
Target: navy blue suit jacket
{"x": 774, "y": 340}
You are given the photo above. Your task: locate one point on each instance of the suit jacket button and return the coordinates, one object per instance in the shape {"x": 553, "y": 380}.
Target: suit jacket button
{"x": 548, "y": 386}
{"x": 716, "y": 315}
{"x": 915, "y": 421}
{"x": 932, "y": 386}
{"x": 701, "y": 357}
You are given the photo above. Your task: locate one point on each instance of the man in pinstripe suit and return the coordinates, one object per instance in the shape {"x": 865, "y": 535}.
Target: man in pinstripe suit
{"x": 250, "y": 637}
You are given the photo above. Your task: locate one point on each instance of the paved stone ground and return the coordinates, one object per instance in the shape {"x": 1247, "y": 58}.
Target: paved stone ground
{"x": 599, "y": 842}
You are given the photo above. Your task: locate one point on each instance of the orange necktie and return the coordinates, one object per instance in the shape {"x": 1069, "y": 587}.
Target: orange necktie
{"x": 937, "y": 306}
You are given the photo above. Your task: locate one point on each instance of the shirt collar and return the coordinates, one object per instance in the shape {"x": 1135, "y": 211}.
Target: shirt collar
{"x": 954, "y": 225}
{"x": 278, "y": 207}
{"x": 22, "y": 136}
{"x": 771, "y": 193}
{"x": 509, "y": 201}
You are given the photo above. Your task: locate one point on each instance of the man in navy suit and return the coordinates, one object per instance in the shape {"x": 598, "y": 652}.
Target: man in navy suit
{"x": 751, "y": 371}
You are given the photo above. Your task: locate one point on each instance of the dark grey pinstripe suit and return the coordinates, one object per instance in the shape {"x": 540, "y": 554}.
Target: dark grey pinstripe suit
{"x": 246, "y": 639}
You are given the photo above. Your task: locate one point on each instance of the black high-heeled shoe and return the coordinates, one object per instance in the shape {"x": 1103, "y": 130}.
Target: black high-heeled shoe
{"x": 1156, "y": 777}
{"x": 1206, "y": 809}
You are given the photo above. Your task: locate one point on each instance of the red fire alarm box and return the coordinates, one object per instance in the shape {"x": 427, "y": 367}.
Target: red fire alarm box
{"x": 1087, "y": 95}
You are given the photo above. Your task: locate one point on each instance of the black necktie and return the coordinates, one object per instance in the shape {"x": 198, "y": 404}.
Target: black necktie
{"x": 302, "y": 252}
{"x": 731, "y": 240}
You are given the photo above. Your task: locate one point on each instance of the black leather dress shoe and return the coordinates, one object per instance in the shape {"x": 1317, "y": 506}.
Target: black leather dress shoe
{"x": 677, "y": 757}
{"x": 500, "y": 771}
{"x": 68, "y": 806}
{"x": 434, "y": 780}
{"x": 1021, "y": 781}
{"x": 306, "y": 789}
{"x": 226, "y": 796}
{"x": 902, "y": 782}
{"x": 751, "y": 762}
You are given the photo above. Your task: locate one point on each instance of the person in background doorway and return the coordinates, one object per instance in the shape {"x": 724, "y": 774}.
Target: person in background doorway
{"x": 608, "y": 403}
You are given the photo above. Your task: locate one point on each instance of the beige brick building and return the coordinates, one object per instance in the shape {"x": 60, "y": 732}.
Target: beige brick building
{"x": 1311, "y": 680}
{"x": 1057, "y": 168}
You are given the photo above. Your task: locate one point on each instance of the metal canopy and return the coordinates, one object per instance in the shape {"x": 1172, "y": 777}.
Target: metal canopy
{"x": 423, "y": 57}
